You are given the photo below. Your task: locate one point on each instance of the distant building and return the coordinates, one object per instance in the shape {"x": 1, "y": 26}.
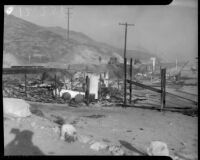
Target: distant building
{"x": 154, "y": 63}
{"x": 113, "y": 60}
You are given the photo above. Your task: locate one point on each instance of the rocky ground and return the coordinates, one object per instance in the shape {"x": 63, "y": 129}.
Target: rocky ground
{"x": 121, "y": 131}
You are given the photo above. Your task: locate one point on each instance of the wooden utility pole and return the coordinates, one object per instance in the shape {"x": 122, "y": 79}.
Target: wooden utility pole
{"x": 126, "y": 26}
{"x": 125, "y": 60}
{"x": 68, "y": 16}
{"x": 130, "y": 98}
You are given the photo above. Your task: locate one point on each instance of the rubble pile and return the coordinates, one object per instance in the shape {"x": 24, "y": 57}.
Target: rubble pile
{"x": 13, "y": 90}
{"x": 38, "y": 90}
{"x": 35, "y": 93}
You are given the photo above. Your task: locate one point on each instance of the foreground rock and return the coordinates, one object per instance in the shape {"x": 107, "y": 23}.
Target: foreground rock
{"x": 158, "y": 148}
{"x": 97, "y": 146}
{"x": 116, "y": 150}
{"x": 16, "y": 107}
{"x": 68, "y": 133}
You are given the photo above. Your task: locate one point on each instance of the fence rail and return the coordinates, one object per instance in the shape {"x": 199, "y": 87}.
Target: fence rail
{"x": 144, "y": 86}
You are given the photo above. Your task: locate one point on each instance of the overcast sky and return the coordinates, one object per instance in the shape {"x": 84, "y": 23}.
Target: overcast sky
{"x": 169, "y": 31}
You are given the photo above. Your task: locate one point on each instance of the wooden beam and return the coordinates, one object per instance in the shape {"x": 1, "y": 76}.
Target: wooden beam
{"x": 30, "y": 70}
{"x": 144, "y": 86}
{"x": 163, "y": 88}
{"x": 35, "y": 70}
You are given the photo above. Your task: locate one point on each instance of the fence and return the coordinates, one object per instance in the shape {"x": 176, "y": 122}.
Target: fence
{"x": 165, "y": 96}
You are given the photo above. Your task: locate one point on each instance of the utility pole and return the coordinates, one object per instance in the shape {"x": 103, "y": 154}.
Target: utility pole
{"x": 68, "y": 16}
{"x": 126, "y": 26}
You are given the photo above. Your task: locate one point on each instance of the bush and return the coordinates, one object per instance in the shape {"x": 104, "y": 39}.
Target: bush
{"x": 79, "y": 98}
{"x": 66, "y": 96}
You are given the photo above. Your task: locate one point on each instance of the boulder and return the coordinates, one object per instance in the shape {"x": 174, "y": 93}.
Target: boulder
{"x": 97, "y": 146}
{"x": 158, "y": 148}
{"x": 16, "y": 107}
{"x": 68, "y": 133}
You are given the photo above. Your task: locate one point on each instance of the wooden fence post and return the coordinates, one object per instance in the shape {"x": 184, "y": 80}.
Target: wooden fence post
{"x": 124, "y": 82}
{"x": 87, "y": 90}
{"x": 130, "y": 84}
{"x": 118, "y": 83}
{"x": 163, "y": 87}
{"x": 99, "y": 91}
{"x": 25, "y": 84}
{"x": 71, "y": 83}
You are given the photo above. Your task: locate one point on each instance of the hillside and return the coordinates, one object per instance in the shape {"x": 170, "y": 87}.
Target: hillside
{"x": 33, "y": 44}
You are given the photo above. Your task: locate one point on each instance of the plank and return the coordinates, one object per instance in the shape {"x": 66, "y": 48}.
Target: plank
{"x": 144, "y": 86}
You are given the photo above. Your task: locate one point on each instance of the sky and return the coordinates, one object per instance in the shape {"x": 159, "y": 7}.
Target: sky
{"x": 169, "y": 31}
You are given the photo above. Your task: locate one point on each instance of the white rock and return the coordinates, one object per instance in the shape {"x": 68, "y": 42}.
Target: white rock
{"x": 68, "y": 132}
{"x": 158, "y": 148}
{"x": 116, "y": 150}
{"x": 16, "y": 107}
{"x": 98, "y": 146}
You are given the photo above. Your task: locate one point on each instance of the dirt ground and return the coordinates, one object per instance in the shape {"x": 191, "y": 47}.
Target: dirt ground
{"x": 132, "y": 128}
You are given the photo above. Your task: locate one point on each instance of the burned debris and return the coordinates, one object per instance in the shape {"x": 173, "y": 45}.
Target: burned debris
{"x": 76, "y": 87}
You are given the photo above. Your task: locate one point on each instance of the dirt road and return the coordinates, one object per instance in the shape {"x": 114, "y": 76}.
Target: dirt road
{"x": 132, "y": 128}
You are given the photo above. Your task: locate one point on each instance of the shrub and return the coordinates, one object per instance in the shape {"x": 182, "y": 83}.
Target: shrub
{"x": 66, "y": 96}
{"x": 79, "y": 98}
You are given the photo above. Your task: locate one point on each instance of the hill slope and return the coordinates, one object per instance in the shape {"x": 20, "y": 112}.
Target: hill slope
{"x": 36, "y": 44}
